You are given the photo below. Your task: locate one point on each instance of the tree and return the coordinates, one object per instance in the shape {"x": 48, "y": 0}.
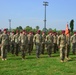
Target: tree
{"x": 72, "y": 25}
{"x": 37, "y": 27}
{"x": 28, "y": 28}
{"x": 20, "y": 27}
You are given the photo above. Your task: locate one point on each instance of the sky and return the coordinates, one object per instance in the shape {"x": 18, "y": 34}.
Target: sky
{"x": 31, "y": 13}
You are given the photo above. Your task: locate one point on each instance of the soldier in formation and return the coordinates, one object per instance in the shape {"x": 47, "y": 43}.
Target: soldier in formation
{"x": 16, "y": 38}
{"x": 4, "y": 44}
{"x": 55, "y": 42}
{"x": 49, "y": 43}
{"x": 37, "y": 40}
{"x": 12, "y": 40}
{"x": 67, "y": 50}
{"x": 30, "y": 42}
{"x": 62, "y": 45}
{"x": 43, "y": 43}
{"x": 73, "y": 41}
{"x": 23, "y": 43}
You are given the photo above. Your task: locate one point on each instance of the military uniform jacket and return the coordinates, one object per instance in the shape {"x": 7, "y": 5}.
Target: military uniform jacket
{"x": 23, "y": 39}
{"x": 55, "y": 39}
{"x": 68, "y": 40}
{"x": 49, "y": 39}
{"x": 43, "y": 38}
{"x": 37, "y": 38}
{"x": 30, "y": 38}
{"x": 4, "y": 39}
{"x": 16, "y": 38}
{"x": 73, "y": 38}
{"x": 62, "y": 40}
{"x": 12, "y": 37}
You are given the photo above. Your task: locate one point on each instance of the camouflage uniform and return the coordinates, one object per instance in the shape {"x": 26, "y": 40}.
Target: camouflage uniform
{"x": 8, "y": 42}
{"x": 4, "y": 44}
{"x": 12, "y": 42}
{"x": 23, "y": 43}
{"x": 30, "y": 42}
{"x": 73, "y": 41}
{"x": 37, "y": 40}
{"x": 43, "y": 43}
{"x": 49, "y": 43}
{"x": 55, "y": 42}
{"x": 62, "y": 44}
{"x": 16, "y": 38}
{"x": 67, "y": 51}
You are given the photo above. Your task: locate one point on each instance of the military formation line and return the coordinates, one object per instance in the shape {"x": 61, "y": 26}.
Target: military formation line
{"x": 52, "y": 42}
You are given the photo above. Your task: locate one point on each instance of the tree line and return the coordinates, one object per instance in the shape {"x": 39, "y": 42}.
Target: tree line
{"x": 28, "y": 28}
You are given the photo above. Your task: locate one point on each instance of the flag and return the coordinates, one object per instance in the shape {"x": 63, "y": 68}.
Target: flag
{"x": 67, "y": 32}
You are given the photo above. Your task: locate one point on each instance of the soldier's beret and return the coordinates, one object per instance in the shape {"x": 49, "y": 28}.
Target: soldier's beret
{"x": 5, "y": 30}
{"x": 24, "y": 31}
{"x": 21, "y": 32}
{"x": 74, "y": 32}
{"x": 13, "y": 32}
{"x": 50, "y": 32}
{"x": 63, "y": 31}
{"x": 38, "y": 31}
{"x": 30, "y": 32}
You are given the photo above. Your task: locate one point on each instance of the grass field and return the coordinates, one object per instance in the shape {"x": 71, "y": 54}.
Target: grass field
{"x": 37, "y": 66}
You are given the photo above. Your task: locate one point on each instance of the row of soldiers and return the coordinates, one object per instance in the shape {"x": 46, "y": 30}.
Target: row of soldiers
{"x": 24, "y": 42}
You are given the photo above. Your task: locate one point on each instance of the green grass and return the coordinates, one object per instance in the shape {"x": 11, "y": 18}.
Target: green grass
{"x": 37, "y": 66}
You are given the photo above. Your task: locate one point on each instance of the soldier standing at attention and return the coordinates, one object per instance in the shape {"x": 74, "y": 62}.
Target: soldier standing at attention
{"x": 12, "y": 42}
{"x": 37, "y": 40}
{"x": 16, "y": 37}
{"x": 43, "y": 42}
{"x": 30, "y": 40}
{"x": 49, "y": 43}
{"x": 23, "y": 39}
{"x": 73, "y": 41}
{"x": 4, "y": 44}
{"x": 8, "y": 41}
{"x": 67, "y": 51}
{"x": 62, "y": 45}
{"x": 55, "y": 42}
